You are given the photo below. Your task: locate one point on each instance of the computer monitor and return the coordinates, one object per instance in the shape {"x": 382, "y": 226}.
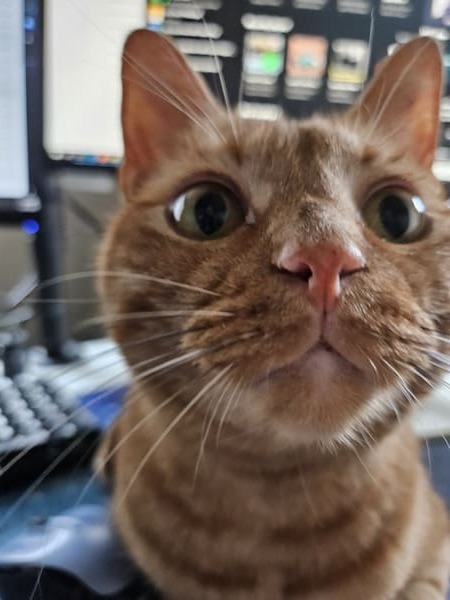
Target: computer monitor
{"x": 83, "y": 40}
{"x": 275, "y": 56}
{"x": 14, "y": 172}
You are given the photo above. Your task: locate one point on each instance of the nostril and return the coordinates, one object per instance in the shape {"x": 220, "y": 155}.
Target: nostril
{"x": 301, "y": 271}
{"x": 304, "y": 272}
{"x": 322, "y": 267}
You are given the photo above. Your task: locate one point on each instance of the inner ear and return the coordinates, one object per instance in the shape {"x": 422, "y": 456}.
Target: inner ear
{"x": 402, "y": 102}
{"x": 162, "y": 97}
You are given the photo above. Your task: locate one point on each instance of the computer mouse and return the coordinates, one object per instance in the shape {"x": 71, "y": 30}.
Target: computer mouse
{"x": 75, "y": 555}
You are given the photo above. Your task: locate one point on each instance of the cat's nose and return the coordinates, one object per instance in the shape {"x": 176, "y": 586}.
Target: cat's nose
{"x": 322, "y": 266}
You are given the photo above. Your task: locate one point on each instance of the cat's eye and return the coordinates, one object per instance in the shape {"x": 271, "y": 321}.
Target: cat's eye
{"x": 396, "y": 215}
{"x": 207, "y": 211}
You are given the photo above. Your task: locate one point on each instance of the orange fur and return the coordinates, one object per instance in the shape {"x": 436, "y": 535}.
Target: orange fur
{"x": 289, "y": 475}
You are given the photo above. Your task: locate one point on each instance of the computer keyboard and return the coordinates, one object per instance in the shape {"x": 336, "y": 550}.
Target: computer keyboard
{"x": 40, "y": 424}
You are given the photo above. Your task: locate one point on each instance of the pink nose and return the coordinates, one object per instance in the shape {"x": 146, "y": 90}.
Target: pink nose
{"x": 322, "y": 266}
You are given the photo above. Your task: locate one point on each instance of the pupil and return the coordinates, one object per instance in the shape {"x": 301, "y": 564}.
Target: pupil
{"x": 210, "y": 212}
{"x": 394, "y": 215}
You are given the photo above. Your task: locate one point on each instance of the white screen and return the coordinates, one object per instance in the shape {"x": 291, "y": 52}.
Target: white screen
{"x": 82, "y": 90}
{"x": 13, "y": 116}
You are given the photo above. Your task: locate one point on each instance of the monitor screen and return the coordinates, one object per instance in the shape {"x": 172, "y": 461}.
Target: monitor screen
{"x": 83, "y": 41}
{"x": 14, "y": 177}
{"x": 275, "y": 56}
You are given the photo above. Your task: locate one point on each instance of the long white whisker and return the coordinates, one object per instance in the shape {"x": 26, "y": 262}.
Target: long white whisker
{"x": 421, "y": 376}
{"x": 125, "y": 275}
{"x": 170, "y": 96}
{"x": 175, "y": 103}
{"x": 74, "y": 368}
{"x": 41, "y": 478}
{"x": 403, "y": 384}
{"x": 157, "y": 314}
{"x": 365, "y": 467}
{"x": 221, "y": 79}
{"x": 156, "y": 85}
{"x": 99, "y": 466}
{"x": 162, "y": 367}
{"x": 208, "y": 428}
{"x": 156, "y": 82}
{"x": 170, "y": 428}
{"x": 225, "y": 411}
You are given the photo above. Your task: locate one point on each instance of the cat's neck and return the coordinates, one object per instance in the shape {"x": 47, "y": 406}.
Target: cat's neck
{"x": 202, "y": 444}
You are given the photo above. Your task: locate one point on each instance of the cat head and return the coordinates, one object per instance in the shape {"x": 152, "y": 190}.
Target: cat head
{"x": 294, "y": 271}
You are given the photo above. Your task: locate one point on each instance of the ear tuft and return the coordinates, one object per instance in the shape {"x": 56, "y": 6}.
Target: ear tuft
{"x": 404, "y": 97}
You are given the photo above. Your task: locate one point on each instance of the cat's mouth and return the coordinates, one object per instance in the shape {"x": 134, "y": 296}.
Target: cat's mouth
{"x": 321, "y": 359}
{"x": 322, "y": 353}
{"x": 323, "y": 345}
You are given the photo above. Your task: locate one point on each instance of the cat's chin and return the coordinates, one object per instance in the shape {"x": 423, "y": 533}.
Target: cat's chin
{"x": 317, "y": 396}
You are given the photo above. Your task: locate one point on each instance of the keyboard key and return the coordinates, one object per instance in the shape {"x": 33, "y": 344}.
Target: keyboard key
{"x": 40, "y": 421}
{"x": 6, "y": 433}
{"x": 68, "y": 430}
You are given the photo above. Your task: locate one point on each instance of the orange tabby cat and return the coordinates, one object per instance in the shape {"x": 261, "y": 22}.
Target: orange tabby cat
{"x": 281, "y": 291}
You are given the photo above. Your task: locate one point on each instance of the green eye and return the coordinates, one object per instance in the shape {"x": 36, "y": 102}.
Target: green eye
{"x": 207, "y": 211}
{"x": 396, "y": 215}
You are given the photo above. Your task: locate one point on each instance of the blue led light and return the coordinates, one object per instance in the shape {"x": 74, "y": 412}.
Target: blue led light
{"x": 30, "y": 23}
{"x": 30, "y": 226}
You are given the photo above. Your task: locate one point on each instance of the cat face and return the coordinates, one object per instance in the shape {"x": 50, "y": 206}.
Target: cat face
{"x": 300, "y": 267}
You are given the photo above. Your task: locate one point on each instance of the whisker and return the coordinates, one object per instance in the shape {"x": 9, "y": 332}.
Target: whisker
{"x": 73, "y": 368}
{"x": 447, "y": 443}
{"x": 170, "y": 428}
{"x": 170, "y": 97}
{"x": 154, "y": 370}
{"x": 94, "y": 301}
{"x": 365, "y": 467}
{"x": 147, "y": 373}
{"x": 403, "y": 384}
{"x": 120, "y": 274}
{"x": 61, "y": 301}
{"x": 226, "y": 410}
{"x": 79, "y": 439}
{"x": 175, "y": 102}
{"x": 420, "y": 375}
{"x": 157, "y": 314}
{"x": 386, "y": 139}
{"x": 13, "y": 461}
{"x": 237, "y": 400}
{"x": 443, "y": 359}
{"x": 158, "y": 87}
{"x": 435, "y": 380}
{"x": 37, "y": 482}
{"x": 222, "y": 82}
{"x": 100, "y": 465}
{"x": 240, "y": 89}
{"x": 208, "y": 428}
{"x": 370, "y": 361}
{"x": 429, "y": 464}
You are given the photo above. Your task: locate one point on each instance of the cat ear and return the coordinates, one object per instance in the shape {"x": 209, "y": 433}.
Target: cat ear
{"x": 162, "y": 96}
{"x": 402, "y": 101}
